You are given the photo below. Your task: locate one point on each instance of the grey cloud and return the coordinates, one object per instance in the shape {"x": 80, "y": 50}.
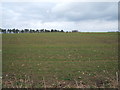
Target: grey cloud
{"x": 27, "y": 11}
{"x": 25, "y": 14}
{"x": 65, "y": 11}
{"x": 75, "y": 11}
{"x": 85, "y": 11}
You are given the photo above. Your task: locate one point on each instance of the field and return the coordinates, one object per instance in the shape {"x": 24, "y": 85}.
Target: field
{"x": 60, "y": 60}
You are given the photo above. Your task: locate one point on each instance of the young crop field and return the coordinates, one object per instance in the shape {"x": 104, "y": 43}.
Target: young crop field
{"x": 60, "y": 60}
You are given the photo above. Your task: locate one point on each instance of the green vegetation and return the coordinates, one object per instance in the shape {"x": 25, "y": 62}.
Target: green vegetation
{"x": 58, "y": 60}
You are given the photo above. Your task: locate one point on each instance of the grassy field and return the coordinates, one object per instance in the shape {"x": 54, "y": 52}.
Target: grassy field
{"x": 60, "y": 60}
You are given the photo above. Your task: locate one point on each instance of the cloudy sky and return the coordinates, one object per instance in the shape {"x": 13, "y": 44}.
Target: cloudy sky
{"x": 67, "y": 16}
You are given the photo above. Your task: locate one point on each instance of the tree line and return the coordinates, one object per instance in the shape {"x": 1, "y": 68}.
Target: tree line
{"x": 28, "y": 30}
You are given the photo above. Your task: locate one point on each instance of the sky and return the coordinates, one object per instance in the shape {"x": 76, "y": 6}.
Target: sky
{"x": 67, "y": 16}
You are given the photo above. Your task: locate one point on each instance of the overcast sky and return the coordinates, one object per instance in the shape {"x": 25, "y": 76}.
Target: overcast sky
{"x": 67, "y": 16}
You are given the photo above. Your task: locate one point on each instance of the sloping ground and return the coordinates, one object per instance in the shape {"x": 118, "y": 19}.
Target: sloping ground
{"x": 60, "y": 60}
